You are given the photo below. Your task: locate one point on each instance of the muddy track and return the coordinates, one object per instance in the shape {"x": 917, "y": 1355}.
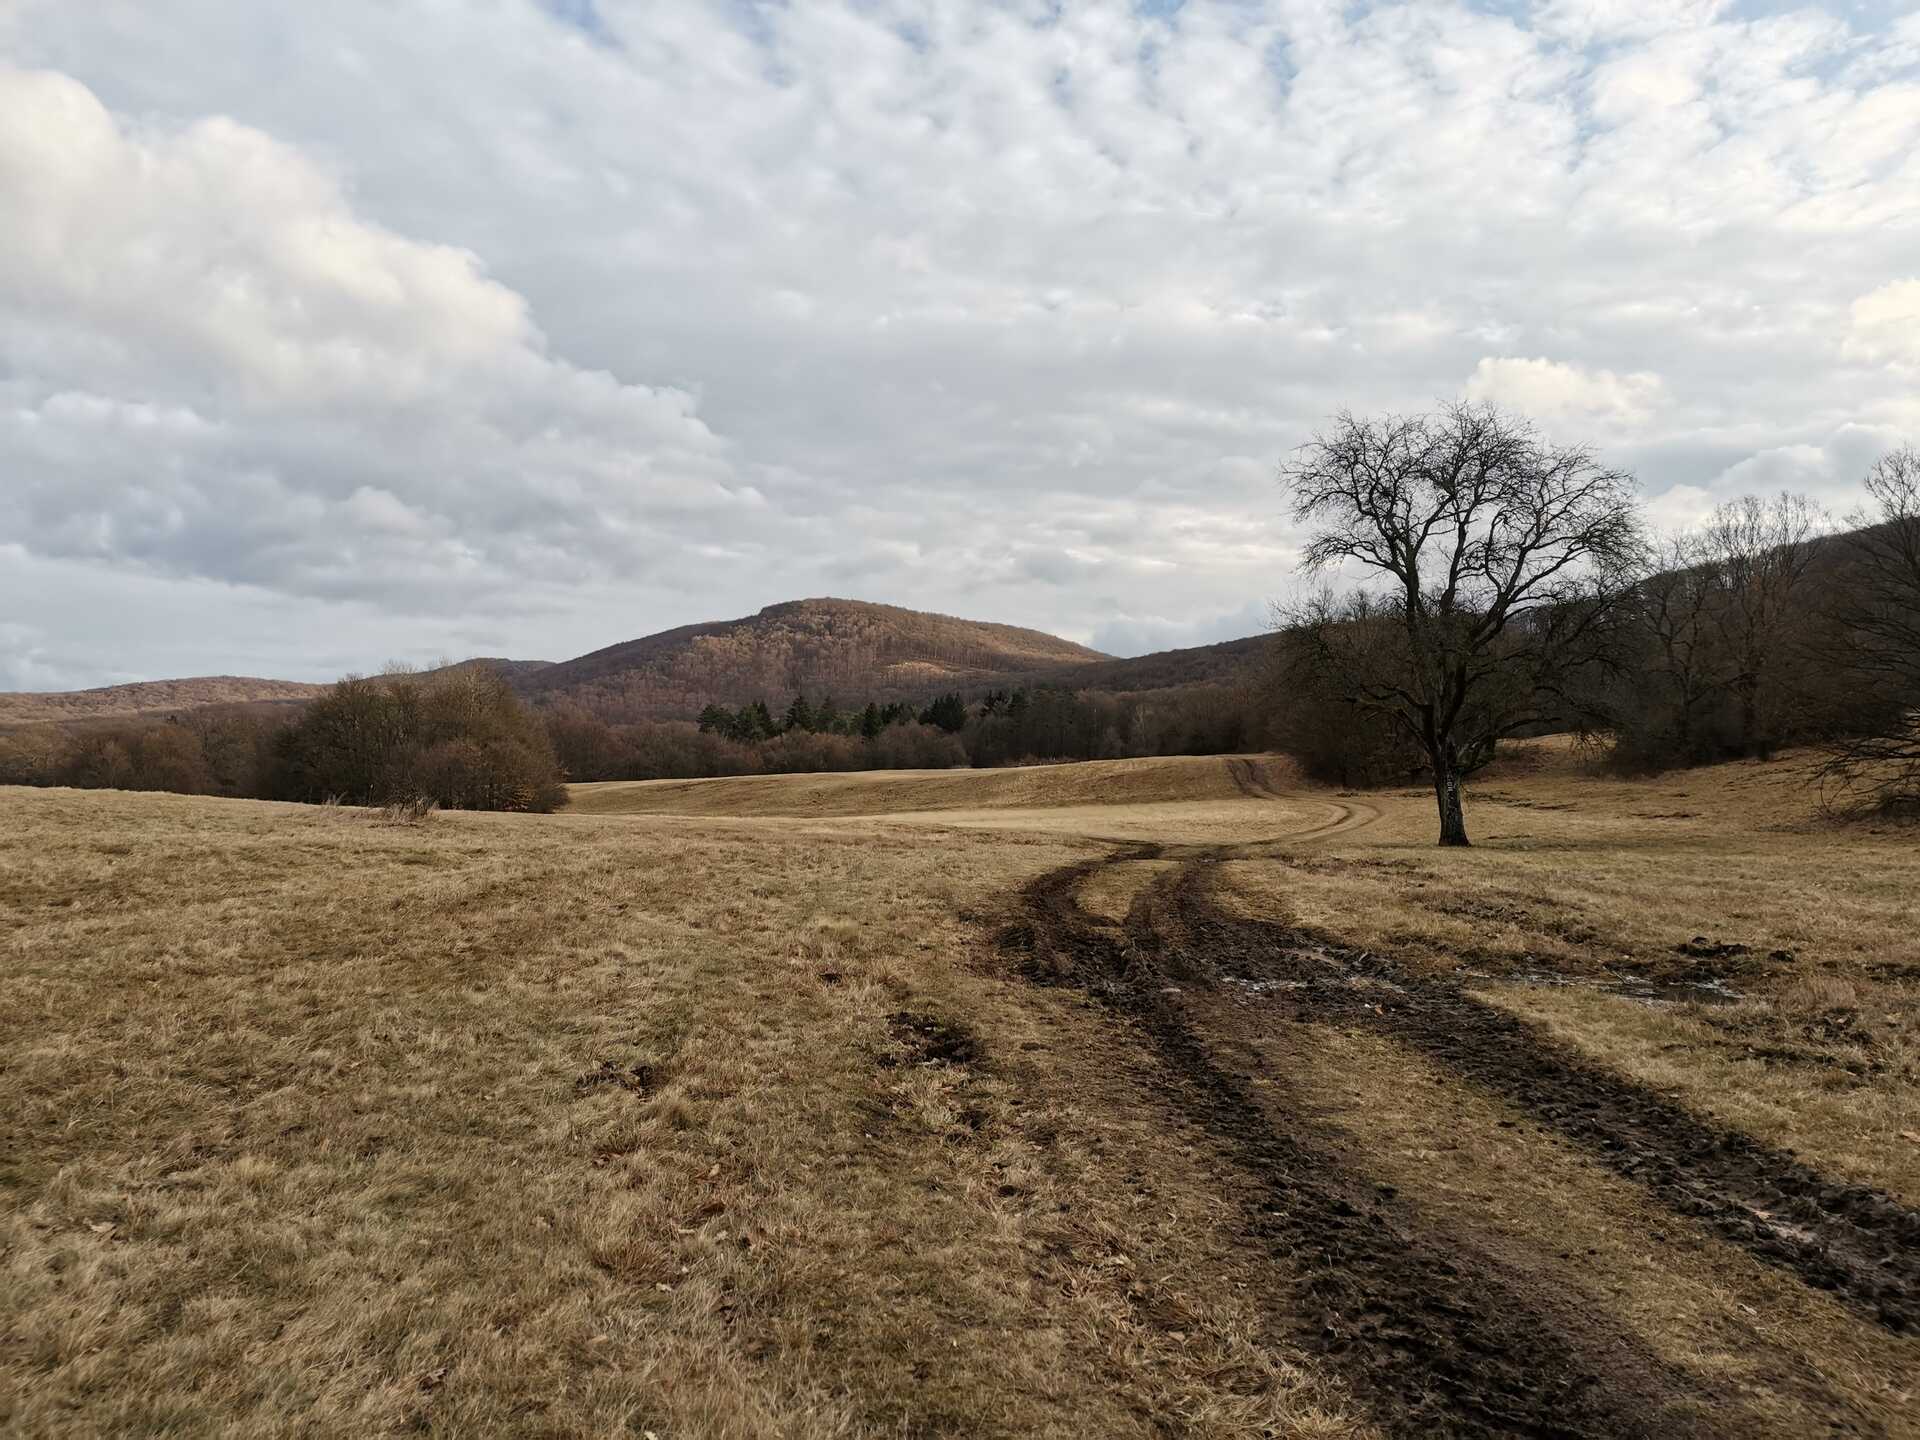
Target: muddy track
{"x": 1440, "y": 1339}
{"x": 1859, "y": 1244}
{"x": 1250, "y": 779}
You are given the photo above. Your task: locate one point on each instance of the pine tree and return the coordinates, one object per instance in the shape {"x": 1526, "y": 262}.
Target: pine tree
{"x": 949, "y": 712}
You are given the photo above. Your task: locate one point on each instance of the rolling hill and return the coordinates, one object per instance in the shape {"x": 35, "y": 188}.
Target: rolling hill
{"x": 147, "y": 697}
{"x": 847, "y": 648}
{"x": 852, "y": 650}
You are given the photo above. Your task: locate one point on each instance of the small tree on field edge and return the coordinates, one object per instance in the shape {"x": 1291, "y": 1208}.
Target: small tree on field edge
{"x": 1499, "y": 562}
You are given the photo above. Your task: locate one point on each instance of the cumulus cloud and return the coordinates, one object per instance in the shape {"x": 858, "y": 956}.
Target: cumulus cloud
{"x": 216, "y": 368}
{"x": 1550, "y": 390}
{"x": 1886, "y": 325}
{"x": 545, "y": 325}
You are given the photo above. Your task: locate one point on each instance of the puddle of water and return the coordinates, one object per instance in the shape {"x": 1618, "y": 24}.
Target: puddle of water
{"x": 1646, "y": 992}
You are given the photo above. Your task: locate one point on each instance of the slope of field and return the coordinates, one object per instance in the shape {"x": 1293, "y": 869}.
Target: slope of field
{"x": 846, "y": 648}
{"x": 147, "y": 697}
{"x": 1186, "y": 779}
{"x": 910, "y": 1104}
{"x": 1226, "y": 663}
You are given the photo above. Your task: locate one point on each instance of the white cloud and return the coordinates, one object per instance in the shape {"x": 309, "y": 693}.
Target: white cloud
{"x": 387, "y": 418}
{"x": 1886, "y": 325}
{"x": 1552, "y": 391}
{"x": 533, "y": 336}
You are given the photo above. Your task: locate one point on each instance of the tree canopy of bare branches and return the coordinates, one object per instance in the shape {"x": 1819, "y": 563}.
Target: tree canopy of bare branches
{"x": 1873, "y": 750}
{"x": 1498, "y": 563}
{"x": 1726, "y": 617}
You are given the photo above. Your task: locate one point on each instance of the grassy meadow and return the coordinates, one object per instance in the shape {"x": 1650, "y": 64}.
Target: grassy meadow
{"x": 718, "y": 1108}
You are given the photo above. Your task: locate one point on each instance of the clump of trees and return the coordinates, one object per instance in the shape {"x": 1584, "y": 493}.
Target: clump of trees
{"x": 1001, "y": 727}
{"x": 1723, "y": 622}
{"x": 224, "y": 750}
{"x": 459, "y": 738}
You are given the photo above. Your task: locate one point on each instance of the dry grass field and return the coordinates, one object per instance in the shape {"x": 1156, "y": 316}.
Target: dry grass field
{"x": 1135, "y": 1098}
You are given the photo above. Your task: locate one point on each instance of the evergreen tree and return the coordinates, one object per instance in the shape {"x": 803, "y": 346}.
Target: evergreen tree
{"x": 716, "y": 720}
{"x": 871, "y": 721}
{"x": 949, "y": 712}
{"x": 799, "y": 714}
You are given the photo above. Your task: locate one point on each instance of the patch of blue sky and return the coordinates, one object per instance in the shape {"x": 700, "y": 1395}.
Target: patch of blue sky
{"x": 583, "y": 15}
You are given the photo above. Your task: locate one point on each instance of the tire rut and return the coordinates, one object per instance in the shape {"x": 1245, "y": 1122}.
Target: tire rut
{"x": 1855, "y": 1242}
{"x": 1440, "y": 1339}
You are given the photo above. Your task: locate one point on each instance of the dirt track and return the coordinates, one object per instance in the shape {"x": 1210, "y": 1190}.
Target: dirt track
{"x": 1440, "y": 1334}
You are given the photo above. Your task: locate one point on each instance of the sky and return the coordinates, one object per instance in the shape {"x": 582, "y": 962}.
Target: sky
{"x": 352, "y": 332}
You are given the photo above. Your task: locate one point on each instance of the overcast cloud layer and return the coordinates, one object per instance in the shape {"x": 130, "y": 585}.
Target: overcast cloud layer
{"x": 337, "y": 333}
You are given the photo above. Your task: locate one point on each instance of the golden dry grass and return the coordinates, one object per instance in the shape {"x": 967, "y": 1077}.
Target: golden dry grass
{"x": 317, "y": 1124}
{"x": 1105, "y": 783}
{"x": 607, "y": 1122}
{"x": 1582, "y": 878}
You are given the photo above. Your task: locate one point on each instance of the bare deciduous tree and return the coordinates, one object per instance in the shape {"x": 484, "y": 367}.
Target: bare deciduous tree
{"x": 1725, "y": 618}
{"x": 1673, "y": 608}
{"x": 1504, "y": 560}
{"x": 1874, "y": 749}
{"x": 1762, "y": 552}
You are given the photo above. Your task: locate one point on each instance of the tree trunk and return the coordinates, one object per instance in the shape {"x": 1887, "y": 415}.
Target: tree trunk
{"x": 1749, "y": 715}
{"x": 1446, "y": 790}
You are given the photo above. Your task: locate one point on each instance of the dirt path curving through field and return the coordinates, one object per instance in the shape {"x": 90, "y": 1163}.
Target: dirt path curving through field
{"x": 1439, "y": 1333}
{"x": 1253, "y": 780}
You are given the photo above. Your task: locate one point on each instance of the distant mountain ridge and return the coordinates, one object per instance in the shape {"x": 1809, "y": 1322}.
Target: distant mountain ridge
{"x": 145, "y": 697}
{"x": 852, "y": 650}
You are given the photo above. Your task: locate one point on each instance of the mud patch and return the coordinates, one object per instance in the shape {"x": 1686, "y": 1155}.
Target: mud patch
{"x": 1710, "y": 991}
{"x": 923, "y": 1039}
{"x": 1703, "y": 948}
{"x": 636, "y": 1079}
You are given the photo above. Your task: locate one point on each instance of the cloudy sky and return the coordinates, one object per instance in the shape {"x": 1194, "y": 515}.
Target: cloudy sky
{"x": 346, "y": 332}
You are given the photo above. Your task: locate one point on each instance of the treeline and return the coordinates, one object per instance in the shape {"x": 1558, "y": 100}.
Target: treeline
{"x": 1004, "y": 727}
{"x": 462, "y": 740}
{"x": 220, "y": 750}
{"x": 1767, "y": 627}
{"x": 459, "y": 739}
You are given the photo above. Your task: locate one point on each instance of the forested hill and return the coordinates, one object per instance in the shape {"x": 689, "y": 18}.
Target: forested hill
{"x": 849, "y": 650}
{"x": 1225, "y": 663}
{"x": 145, "y": 697}
{"x": 846, "y": 648}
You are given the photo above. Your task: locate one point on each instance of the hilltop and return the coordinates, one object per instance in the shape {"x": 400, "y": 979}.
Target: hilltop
{"x": 849, "y": 648}
{"x": 145, "y": 697}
